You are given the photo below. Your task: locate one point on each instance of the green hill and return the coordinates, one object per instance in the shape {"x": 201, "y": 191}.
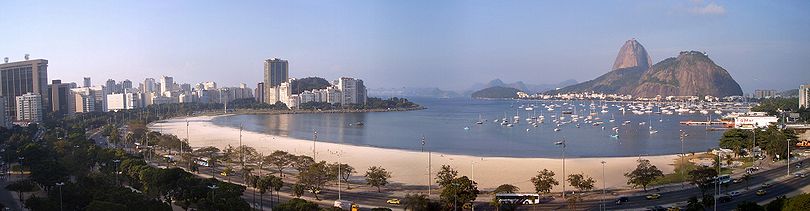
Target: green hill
{"x": 496, "y": 92}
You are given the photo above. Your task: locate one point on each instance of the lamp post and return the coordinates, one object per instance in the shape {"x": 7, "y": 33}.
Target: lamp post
{"x": 116, "y": 161}
{"x": 683, "y": 137}
{"x": 604, "y": 185}
{"x": 788, "y": 155}
{"x": 213, "y": 188}
{"x": 60, "y": 184}
{"x": 338, "y": 154}
{"x": 717, "y": 179}
{"x": 429, "y": 165}
{"x": 562, "y": 143}
{"x": 472, "y": 176}
{"x": 314, "y": 139}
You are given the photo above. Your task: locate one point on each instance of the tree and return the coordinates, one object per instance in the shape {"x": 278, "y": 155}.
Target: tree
{"x": 315, "y": 177}
{"x": 377, "y": 177}
{"x": 544, "y": 181}
{"x": 301, "y": 162}
{"x": 702, "y": 178}
{"x": 445, "y": 175}
{"x": 276, "y": 183}
{"x": 693, "y": 204}
{"x": 296, "y": 205}
{"x": 22, "y": 186}
{"x": 643, "y": 175}
{"x": 298, "y": 190}
{"x": 796, "y": 203}
{"x": 415, "y": 202}
{"x": 279, "y": 159}
{"x": 345, "y": 171}
{"x": 506, "y": 188}
{"x": 581, "y": 183}
{"x": 460, "y": 190}
{"x": 736, "y": 139}
{"x": 751, "y": 206}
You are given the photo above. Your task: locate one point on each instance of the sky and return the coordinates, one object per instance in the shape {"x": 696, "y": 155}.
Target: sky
{"x": 390, "y": 44}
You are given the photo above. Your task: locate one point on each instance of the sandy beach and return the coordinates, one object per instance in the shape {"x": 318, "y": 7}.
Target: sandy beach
{"x": 411, "y": 167}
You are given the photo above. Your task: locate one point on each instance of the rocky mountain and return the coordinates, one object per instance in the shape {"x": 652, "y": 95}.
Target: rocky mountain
{"x": 632, "y": 54}
{"x": 692, "y": 73}
{"x": 496, "y": 92}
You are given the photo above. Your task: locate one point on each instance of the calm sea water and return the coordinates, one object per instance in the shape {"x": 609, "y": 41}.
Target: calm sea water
{"x": 443, "y": 126}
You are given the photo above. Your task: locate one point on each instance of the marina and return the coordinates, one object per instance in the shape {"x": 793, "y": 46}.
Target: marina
{"x": 511, "y": 128}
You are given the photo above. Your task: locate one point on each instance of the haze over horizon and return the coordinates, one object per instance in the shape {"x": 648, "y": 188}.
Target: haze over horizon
{"x": 445, "y": 44}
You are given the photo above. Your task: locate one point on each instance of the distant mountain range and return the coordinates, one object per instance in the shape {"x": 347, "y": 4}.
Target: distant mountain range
{"x": 691, "y": 73}
{"x": 520, "y": 85}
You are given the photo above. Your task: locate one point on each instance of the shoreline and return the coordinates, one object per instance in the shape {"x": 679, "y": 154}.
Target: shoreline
{"x": 410, "y": 167}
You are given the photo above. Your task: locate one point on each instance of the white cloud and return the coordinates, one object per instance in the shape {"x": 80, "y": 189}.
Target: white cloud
{"x": 709, "y": 9}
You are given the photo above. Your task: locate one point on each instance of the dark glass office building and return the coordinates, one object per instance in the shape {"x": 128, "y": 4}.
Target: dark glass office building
{"x": 18, "y": 78}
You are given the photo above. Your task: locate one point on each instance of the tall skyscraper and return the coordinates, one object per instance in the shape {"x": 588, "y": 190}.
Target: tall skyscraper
{"x": 29, "y": 108}
{"x": 260, "y": 92}
{"x": 149, "y": 85}
{"x": 5, "y": 121}
{"x": 19, "y": 78}
{"x": 353, "y": 90}
{"x": 166, "y": 85}
{"x": 126, "y": 84}
{"x": 276, "y": 71}
{"x": 60, "y": 96}
{"x": 804, "y": 96}
{"x": 87, "y": 82}
{"x": 110, "y": 86}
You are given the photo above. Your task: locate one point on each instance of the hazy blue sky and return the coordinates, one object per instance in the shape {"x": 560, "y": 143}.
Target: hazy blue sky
{"x": 446, "y": 44}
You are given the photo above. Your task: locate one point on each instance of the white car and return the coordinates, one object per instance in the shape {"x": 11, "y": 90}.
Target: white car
{"x": 734, "y": 193}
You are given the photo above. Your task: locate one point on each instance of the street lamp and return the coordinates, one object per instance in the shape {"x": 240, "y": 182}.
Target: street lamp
{"x": 604, "y": 185}
{"x": 314, "y": 139}
{"x": 338, "y": 153}
{"x": 683, "y": 176}
{"x": 562, "y": 143}
{"x": 212, "y": 187}
{"x": 429, "y": 165}
{"x": 60, "y": 184}
{"x": 116, "y": 161}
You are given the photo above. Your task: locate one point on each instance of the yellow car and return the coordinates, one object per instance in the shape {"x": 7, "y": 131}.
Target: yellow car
{"x": 653, "y": 196}
{"x": 392, "y": 201}
{"x": 761, "y": 192}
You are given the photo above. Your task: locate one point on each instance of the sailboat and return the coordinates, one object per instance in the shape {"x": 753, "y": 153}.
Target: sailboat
{"x": 479, "y": 120}
{"x": 651, "y": 127}
{"x": 611, "y": 118}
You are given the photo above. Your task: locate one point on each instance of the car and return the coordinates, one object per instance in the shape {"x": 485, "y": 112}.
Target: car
{"x": 724, "y": 199}
{"x": 393, "y": 201}
{"x": 622, "y": 200}
{"x": 653, "y": 196}
{"x": 761, "y": 192}
{"x": 734, "y": 193}
{"x": 802, "y": 175}
{"x": 765, "y": 185}
{"x": 737, "y": 180}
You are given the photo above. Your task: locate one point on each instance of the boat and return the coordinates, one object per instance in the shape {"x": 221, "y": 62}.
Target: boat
{"x": 556, "y": 129}
{"x": 466, "y": 128}
{"x": 359, "y": 124}
{"x": 616, "y": 136}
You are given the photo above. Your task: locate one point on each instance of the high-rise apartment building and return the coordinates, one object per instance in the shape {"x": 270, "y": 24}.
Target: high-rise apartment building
{"x": 126, "y": 84}
{"x": 149, "y": 85}
{"x": 804, "y": 96}
{"x": 19, "y": 78}
{"x": 87, "y": 82}
{"x": 353, "y": 90}
{"x": 276, "y": 71}
{"x": 259, "y": 93}
{"x": 111, "y": 86}
{"x": 5, "y": 120}
{"x": 60, "y": 96}
{"x": 29, "y": 108}
{"x": 166, "y": 85}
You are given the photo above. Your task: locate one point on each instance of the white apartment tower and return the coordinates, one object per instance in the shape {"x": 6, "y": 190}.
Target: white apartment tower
{"x": 29, "y": 108}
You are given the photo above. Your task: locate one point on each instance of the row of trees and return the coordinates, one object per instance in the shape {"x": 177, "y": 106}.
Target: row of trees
{"x": 772, "y": 140}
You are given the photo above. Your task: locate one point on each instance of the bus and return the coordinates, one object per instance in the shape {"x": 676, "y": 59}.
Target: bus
{"x": 518, "y": 198}
{"x": 203, "y": 161}
{"x": 723, "y": 179}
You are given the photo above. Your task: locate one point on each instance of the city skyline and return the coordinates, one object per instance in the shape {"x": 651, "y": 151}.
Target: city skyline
{"x": 393, "y": 44}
